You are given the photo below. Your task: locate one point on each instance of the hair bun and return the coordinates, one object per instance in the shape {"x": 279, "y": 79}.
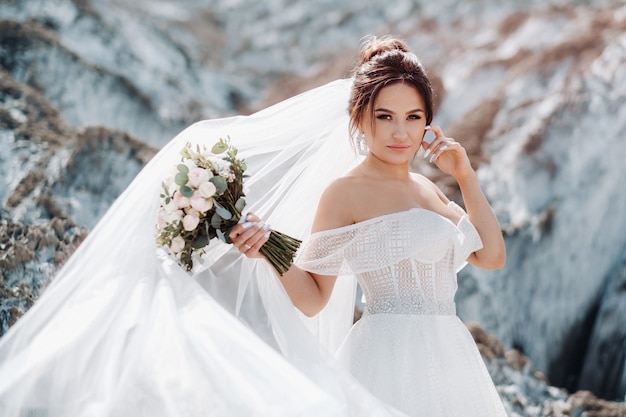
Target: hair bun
{"x": 373, "y": 46}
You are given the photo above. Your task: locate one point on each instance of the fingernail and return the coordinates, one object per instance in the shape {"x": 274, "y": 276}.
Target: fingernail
{"x": 248, "y": 216}
{"x": 443, "y": 148}
{"x": 427, "y": 153}
{"x": 247, "y": 225}
{"x": 266, "y": 227}
{"x": 260, "y": 224}
{"x": 432, "y": 158}
{"x": 267, "y": 235}
{"x": 242, "y": 220}
{"x": 427, "y": 127}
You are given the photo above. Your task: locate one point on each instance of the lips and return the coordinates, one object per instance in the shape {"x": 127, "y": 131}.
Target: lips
{"x": 398, "y": 147}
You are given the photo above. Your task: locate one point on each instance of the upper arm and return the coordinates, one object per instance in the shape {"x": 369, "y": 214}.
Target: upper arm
{"x": 332, "y": 212}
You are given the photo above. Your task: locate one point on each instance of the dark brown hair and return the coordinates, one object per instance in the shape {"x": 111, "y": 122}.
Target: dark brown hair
{"x": 385, "y": 61}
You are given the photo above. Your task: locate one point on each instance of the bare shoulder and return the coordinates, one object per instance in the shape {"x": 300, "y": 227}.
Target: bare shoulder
{"x": 335, "y": 208}
{"x": 431, "y": 186}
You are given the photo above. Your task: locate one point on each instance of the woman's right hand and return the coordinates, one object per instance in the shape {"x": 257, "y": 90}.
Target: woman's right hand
{"x": 250, "y": 235}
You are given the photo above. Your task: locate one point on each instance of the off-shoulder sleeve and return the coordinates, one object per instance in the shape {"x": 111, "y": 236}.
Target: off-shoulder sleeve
{"x": 467, "y": 240}
{"x": 325, "y": 253}
{"x": 368, "y": 245}
{"x": 384, "y": 241}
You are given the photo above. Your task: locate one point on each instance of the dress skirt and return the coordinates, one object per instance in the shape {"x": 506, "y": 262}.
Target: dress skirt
{"x": 423, "y": 365}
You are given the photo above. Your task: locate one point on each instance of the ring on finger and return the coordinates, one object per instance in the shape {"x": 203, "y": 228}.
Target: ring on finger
{"x": 245, "y": 245}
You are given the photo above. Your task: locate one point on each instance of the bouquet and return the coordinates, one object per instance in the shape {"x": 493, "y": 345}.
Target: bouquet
{"x": 203, "y": 199}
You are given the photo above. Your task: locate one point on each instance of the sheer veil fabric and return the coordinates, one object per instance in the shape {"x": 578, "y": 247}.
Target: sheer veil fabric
{"x": 123, "y": 331}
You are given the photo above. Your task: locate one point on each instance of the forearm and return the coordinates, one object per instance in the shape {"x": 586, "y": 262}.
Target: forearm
{"x": 308, "y": 292}
{"x": 482, "y": 216}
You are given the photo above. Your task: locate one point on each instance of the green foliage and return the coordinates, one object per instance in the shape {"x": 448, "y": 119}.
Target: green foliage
{"x": 220, "y": 184}
{"x": 186, "y": 191}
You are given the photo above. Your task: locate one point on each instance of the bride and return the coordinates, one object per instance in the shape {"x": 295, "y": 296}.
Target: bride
{"x": 124, "y": 331}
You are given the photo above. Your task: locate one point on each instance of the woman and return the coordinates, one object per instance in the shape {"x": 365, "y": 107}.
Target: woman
{"x": 125, "y": 331}
{"x": 404, "y": 240}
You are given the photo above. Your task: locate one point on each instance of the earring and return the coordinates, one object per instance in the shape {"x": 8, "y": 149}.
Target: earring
{"x": 362, "y": 145}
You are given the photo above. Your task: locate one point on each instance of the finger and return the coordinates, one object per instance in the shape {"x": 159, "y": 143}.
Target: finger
{"x": 434, "y": 147}
{"x": 248, "y": 231}
{"x": 437, "y": 153}
{"x": 243, "y": 224}
{"x": 259, "y": 238}
{"x": 428, "y": 137}
{"x": 239, "y": 229}
{"x": 437, "y": 131}
{"x": 434, "y": 143}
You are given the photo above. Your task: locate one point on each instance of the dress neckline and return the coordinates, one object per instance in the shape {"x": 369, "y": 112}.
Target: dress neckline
{"x": 382, "y": 217}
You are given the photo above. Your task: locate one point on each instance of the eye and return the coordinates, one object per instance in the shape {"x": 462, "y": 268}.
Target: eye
{"x": 415, "y": 117}
{"x": 383, "y": 117}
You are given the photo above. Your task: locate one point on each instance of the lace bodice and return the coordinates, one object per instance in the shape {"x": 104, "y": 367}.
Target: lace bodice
{"x": 405, "y": 262}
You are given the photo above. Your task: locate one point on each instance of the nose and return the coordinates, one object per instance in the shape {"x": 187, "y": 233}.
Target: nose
{"x": 400, "y": 130}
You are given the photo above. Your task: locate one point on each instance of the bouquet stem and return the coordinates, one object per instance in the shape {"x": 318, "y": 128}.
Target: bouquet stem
{"x": 280, "y": 250}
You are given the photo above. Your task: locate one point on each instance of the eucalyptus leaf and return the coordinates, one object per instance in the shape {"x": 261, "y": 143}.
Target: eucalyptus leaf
{"x": 181, "y": 178}
{"x": 220, "y": 184}
{"x": 186, "y": 191}
{"x": 200, "y": 242}
{"x": 183, "y": 168}
{"x": 216, "y": 221}
{"x": 240, "y": 204}
{"x": 224, "y": 214}
{"x": 220, "y": 235}
{"x": 219, "y": 147}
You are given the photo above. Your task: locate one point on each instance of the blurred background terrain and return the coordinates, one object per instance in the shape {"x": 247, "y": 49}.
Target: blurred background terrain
{"x": 536, "y": 91}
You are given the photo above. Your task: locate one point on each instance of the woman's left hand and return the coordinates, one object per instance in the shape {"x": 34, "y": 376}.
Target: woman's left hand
{"x": 448, "y": 154}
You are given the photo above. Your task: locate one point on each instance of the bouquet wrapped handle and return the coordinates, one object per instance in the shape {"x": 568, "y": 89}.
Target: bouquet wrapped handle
{"x": 279, "y": 249}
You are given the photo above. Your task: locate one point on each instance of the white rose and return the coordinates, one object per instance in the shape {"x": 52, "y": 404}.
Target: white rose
{"x": 221, "y": 166}
{"x": 181, "y": 201}
{"x": 171, "y": 206}
{"x": 197, "y": 176}
{"x": 192, "y": 211}
{"x": 207, "y": 189}
{"x": 198, "y": 202}
{"x": 190, "y": 222}
{"x": 162, "y": 219}
{"x": 177, "y": 244}
{"x": 172, "y": 188}
{"x": 174, "y": 216}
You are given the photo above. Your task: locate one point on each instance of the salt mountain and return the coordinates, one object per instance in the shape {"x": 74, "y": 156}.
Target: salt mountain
{"x": 535, "y": 92}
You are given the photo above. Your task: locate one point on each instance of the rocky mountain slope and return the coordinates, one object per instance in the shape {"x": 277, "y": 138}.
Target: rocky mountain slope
{"x": 535, "y": 91}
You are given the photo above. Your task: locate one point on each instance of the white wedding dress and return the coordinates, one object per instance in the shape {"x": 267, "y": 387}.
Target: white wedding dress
{"x": 409, "y": 348}
{"x": 124, "y": 331}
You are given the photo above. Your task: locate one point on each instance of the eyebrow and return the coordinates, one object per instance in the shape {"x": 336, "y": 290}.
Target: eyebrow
{"x": 382, "y": 109}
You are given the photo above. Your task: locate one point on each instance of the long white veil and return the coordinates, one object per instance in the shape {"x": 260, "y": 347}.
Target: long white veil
{"x": 123, "y": 331}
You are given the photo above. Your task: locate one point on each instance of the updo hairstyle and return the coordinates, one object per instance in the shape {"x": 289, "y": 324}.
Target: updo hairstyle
{"x": 385, "y": 61}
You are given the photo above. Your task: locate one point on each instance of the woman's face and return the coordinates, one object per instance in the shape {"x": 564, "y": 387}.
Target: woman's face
{"x": 398, "y": 126}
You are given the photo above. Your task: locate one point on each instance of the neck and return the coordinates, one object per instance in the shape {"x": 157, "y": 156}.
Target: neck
{"x": 374, "y": 167}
